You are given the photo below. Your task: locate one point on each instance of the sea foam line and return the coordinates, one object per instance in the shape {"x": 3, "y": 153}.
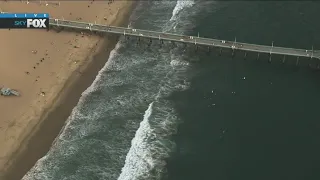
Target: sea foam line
{"x": 134, "y": 168}
{"x": 37, "y": 168}
{"x": 181, "y": 4}
{"x": 76, "y": 110}
{"x": 150, "y": 146}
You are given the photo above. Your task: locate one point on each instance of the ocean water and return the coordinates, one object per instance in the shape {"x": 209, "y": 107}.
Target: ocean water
{"x": 170, "y": 113}
{"x": 267, "y": 129}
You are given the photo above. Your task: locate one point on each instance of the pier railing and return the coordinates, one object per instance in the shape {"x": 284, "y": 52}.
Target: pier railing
{"x": 234, "y": 45}
{"x": 187, "y": 39}
{"x": 209, "y": 42}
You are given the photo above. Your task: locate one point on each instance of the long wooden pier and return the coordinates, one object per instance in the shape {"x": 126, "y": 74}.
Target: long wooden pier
{"x": 311, "y": 53}
{"x": 187, "y": 39}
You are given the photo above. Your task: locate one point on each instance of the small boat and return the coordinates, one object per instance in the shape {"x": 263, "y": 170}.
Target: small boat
{"x": 9, "y": 92}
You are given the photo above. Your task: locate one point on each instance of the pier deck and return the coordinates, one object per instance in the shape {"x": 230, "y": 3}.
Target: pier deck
{"x": 186, "y": 39}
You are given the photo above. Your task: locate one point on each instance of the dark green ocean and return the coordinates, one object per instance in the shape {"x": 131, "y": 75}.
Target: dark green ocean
{"x": 270, "y": 128}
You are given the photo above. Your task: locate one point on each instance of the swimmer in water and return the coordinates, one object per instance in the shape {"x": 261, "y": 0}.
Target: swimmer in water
{"x": 224, "y": 131}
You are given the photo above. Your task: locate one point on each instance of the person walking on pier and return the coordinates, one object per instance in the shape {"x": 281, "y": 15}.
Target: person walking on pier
{"x": 307, "y": 53}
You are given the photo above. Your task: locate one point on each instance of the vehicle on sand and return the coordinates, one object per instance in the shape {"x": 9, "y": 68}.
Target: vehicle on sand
{"x": 8, "y": 92}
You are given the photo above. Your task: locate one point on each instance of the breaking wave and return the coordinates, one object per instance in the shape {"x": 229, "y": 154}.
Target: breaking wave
{"x": 107, "y": 136}
{"x": 151, "y": 145}
{"x": 181, "y": 4}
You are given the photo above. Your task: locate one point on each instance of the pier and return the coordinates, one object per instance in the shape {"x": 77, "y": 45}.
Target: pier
{"x": 196, "y": 40}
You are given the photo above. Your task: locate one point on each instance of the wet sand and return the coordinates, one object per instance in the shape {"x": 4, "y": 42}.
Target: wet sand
{"x": 50, "y": 70}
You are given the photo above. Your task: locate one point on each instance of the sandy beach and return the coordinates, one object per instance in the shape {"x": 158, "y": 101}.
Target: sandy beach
{"x": 50, "y": 70}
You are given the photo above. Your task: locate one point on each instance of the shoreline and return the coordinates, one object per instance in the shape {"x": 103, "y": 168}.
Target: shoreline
{"x": 39, "y": 140}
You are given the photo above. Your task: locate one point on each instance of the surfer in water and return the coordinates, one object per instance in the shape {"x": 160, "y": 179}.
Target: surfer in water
{"x": 222, "y": 134}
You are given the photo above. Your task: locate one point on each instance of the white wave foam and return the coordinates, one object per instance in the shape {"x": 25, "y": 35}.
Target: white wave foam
{"x": 178, "y": 63}
{"x": 181, "y": 4}
{"x": 112, "y": 55}
{"x": 150, "y": 146}
{"x": 133, "y": 167}
{"x": 76, "y": 113}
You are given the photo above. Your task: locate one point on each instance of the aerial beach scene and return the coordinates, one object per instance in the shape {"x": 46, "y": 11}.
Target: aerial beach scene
{"x": 169, "y": 90}
{"x": 50, "y": 64}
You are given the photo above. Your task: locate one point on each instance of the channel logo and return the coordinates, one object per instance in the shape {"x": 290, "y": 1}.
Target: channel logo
{"x": 24, "y": 20}
{"x": 32, "y": 23}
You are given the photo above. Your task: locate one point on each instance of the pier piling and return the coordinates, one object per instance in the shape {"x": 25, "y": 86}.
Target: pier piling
{"x": 297, "y": 62}
{"x": 310, "y": 62}
{"x": 269, "y": 58}
{"x": 245, "y": 55}
{"x": 284, "y": 59}
{"x": 160, "y": 42}
{"x": 150, "y": 42}
{"x": 220, "y": 52}
{"x": 258, "y": 56}
{"x": 172, "y": 43}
